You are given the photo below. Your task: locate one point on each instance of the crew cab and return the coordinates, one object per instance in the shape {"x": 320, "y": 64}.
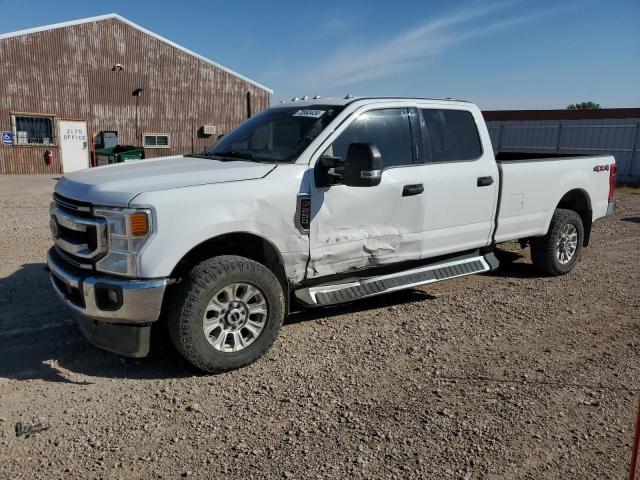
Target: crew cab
{"x": 310, "y": 203}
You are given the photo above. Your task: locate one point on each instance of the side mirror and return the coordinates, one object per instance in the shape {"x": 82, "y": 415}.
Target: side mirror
{"x": 363, "y": 165}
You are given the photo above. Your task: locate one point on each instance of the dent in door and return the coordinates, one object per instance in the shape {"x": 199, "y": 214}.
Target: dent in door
{"x": 355, "y": 248}
{"x": 338, "y": 248}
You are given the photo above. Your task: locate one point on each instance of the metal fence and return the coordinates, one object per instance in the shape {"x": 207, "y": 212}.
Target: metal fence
{"x": 618, "y": 137}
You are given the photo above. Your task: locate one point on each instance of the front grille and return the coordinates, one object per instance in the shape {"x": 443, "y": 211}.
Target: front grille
{"x": 73, "y": 260}
{"x": 75, "y": 206}
{"x": 72, "y": 291}
{"x": 74, "y": 236}
{"x": 79, "y": 237}
{"x": 92, "y": 237}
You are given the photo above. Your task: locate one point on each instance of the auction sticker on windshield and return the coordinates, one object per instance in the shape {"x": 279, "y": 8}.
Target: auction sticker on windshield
{"x": 309, "y": 113}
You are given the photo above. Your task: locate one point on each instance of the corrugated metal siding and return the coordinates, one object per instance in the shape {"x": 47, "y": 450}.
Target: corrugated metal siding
{"x": 20, "y": 160}
{"x": 68, "y": 72}
{"x": 563, "y": 114}
{"x": 618, "y": 137}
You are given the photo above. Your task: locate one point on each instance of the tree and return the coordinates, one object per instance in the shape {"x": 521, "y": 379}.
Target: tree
{"x": 584, "y": 106}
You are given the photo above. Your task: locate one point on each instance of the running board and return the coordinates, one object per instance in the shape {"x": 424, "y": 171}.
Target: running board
{"x": 331, "y": 294}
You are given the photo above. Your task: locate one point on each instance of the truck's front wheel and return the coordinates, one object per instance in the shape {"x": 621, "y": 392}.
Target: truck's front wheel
{"x": 226, "y": 313}
{"x": 557, "y": 252}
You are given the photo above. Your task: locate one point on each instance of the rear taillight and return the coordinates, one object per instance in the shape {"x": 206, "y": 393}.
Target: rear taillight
{"x": 613, "y": 168}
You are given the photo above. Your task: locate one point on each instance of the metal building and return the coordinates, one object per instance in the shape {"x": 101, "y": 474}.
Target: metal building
{"x": 63, "y": 83}
{"x": 614, "y": 131}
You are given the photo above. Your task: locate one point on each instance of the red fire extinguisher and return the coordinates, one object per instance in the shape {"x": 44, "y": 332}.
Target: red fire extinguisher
{"x": 48, "y": 157}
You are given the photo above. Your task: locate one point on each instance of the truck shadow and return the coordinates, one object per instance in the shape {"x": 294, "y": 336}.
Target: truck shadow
{"x": 34, "y": 325}
{"x": 40, "y": 340}
{"x": 512, "y": 267}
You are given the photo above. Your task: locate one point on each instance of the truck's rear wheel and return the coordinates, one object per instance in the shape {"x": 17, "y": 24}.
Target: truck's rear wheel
{"x": 226, "y": 313}
{"x": 557, "y": 252}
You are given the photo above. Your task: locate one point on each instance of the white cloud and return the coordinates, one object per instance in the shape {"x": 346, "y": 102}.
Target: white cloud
{"x": 407, "y": 50}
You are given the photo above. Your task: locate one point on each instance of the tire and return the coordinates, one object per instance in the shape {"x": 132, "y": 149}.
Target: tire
{"x": 557, "y": 252}
{"x": 193, "y": 304}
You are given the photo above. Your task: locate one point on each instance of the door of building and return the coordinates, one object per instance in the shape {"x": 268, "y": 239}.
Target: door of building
{"x": 74, "y": 145}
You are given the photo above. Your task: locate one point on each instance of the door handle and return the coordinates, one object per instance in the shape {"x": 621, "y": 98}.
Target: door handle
{"x": 415, "y": 189}
{"x": 485, "y": 181}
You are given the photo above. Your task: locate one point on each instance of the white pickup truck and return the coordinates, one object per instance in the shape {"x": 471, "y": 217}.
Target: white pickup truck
{"x": 313, "y": 202}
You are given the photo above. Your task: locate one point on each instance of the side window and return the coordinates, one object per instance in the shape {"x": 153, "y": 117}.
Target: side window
{"x": 388, "y": 129}
{"x": 451, "y": 135}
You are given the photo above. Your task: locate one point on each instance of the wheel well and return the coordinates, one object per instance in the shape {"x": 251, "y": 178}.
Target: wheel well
{"x": 578, "y": 201}
{"x": 244, "y": 244}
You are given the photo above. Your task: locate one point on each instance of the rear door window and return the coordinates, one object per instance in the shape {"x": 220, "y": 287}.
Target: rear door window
{"x": 450, "y": 135}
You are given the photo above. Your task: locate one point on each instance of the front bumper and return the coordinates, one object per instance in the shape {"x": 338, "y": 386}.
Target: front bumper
{"x": 129, "y": 340}
{"x": 114, "y": 314}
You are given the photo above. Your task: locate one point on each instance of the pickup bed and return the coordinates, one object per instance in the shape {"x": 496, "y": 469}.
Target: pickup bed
{"x": 309, "y": 203}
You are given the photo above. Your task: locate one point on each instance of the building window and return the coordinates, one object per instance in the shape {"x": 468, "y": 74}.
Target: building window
{"x": 157, "y": 140}
{"x": 32, "y": 130}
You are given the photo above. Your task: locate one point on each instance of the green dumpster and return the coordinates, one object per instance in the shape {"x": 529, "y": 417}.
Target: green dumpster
{"x": 118, "y": 154}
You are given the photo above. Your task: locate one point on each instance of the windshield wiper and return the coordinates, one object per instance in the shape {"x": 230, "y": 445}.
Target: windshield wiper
{"x": 234, "y": 154}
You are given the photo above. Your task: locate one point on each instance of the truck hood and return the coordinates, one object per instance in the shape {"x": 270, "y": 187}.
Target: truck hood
{"x": 116, "y": 185}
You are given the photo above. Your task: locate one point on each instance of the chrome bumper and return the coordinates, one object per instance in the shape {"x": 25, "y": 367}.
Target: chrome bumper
{"x": 105, "y": 298}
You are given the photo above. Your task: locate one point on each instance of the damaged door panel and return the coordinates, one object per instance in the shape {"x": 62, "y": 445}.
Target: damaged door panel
{"x": 354, "y": 228}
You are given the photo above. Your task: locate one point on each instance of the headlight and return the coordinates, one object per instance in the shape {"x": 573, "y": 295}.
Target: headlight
{"x": 127, "y": 230}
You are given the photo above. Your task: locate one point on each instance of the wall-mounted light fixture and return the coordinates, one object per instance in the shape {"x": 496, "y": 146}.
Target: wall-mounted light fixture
{"x": 137, "y": 93}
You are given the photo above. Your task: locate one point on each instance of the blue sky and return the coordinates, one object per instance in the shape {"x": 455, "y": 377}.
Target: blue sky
{"x": 499, "y": 54}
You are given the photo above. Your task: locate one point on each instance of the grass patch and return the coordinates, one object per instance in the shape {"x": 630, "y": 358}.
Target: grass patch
{"x": 630, "y": 190}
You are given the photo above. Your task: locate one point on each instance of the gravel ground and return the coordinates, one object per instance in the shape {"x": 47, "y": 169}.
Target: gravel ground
{"x": 507, "y": 375}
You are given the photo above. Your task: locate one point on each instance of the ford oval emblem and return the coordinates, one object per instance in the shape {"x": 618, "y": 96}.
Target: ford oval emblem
{"x": 55, "y": 229}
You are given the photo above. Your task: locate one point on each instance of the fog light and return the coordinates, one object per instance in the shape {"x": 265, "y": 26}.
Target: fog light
{"x": 108, "y": 297}
{"x": 112, "y": 295}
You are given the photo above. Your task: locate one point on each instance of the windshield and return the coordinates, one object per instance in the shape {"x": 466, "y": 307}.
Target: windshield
{"x": 275, "y": 135}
